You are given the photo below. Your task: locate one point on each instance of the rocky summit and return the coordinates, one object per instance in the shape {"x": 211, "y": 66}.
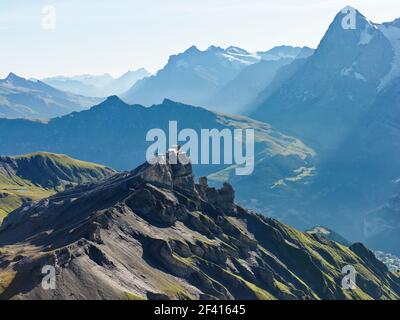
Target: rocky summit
{"x": 153, "y": 233}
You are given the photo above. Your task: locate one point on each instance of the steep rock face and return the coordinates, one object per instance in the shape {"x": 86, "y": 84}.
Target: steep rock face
{"x": 152, "y": 233}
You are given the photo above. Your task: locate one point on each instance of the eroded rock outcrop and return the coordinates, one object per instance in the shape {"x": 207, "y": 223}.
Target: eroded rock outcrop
{"x": 154, "y": 234}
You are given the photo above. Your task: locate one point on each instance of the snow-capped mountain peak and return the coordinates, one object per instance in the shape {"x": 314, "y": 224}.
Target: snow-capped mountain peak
{"x": 12, "y": 78}
{"x": 15, "y": 81}
{"x": 392, "y": 32}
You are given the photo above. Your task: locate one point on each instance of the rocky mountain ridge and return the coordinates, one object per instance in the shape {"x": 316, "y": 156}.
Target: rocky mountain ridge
{"x": 153, "y": 233}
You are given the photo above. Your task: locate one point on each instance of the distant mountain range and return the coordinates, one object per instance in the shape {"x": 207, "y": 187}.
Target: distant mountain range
{"x": 291, "y": 181}
{"x": 22, "y": 98}
{"x": 382, "y": 226}
{"x": 97, "y": 85}
{"x": 217, "y": 78}
{"x": 153, "y": 233}
{"x": 27, "y": 178}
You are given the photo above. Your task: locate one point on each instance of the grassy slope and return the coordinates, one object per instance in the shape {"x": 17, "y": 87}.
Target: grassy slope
{"x": 268, "y": 144}
{"x": 330, "y": 255}
{"x": 39, "y": 175}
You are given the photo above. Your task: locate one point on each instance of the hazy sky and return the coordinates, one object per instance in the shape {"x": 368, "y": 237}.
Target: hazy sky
{"x": 99, "y": 36}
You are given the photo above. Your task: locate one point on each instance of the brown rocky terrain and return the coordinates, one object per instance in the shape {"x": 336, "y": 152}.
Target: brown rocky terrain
{"x": 153, "y": 233}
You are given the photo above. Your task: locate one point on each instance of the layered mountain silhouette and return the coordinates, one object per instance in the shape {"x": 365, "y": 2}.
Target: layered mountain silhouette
{"x": 380, "y": 226}
{"x": 204, "y": 77}
{"x": 22, "y": 98}
{"x": 34, "y": 176}
{"x": 97, "y": 86}
{"x": 153, "y": 233}
{"x": 238, "y": 95}
{"x": 191, "y": 76}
